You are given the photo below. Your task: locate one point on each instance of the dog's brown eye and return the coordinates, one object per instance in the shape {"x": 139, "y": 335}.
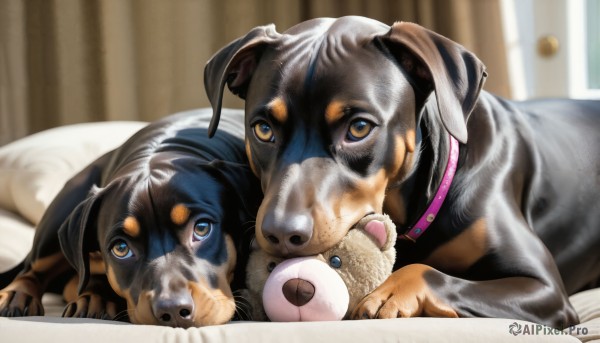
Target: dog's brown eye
{"x": 271, "y": 266}
{"x": 121, "y": 250}
{"x": 202, "y": 229}
{"x": 359, "y": 129}
{"x": 264, "y": 132}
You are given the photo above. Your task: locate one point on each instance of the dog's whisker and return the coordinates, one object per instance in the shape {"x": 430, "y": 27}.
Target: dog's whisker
{"x": 123, "y": 314}
{"x": 243, "y": 309}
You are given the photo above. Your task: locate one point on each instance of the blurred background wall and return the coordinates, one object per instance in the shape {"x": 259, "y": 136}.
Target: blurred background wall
{"x": 69, "y": 61}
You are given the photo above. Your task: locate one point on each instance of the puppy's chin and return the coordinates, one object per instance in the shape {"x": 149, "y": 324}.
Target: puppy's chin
{"x": 212, "y": 306}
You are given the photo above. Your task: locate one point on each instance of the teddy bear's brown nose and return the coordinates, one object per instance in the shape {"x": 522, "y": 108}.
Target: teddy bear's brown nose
{"x": 298, "y": 292}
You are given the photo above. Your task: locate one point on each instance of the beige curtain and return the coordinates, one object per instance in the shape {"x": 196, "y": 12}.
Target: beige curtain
{"x": 69, "y": 61}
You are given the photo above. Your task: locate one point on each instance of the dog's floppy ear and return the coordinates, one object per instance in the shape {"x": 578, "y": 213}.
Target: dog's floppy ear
{"x": 434, "y": 62}
{"x": 241, "y": 180}
{"x": 77, "y": 236}
{"x": 234, "y": 65}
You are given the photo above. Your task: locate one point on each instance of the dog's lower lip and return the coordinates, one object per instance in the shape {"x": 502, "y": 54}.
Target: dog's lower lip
{"x": 368, "y": 214}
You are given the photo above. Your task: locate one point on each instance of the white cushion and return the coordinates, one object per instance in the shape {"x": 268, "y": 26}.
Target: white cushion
{"x": 35, "y": 168}
{"x": 587, "y": 305}
{"x": 16, "y": 236}
{"x": 49, "y": 329}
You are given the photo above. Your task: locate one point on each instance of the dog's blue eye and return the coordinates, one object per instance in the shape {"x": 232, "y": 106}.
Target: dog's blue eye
{"x": 359, "y": 129}
{"x": 264, "y": 132}
{"x": 120, "y": 249}
{"x": 335, "y": 262}
{"x": 202, "y": 229}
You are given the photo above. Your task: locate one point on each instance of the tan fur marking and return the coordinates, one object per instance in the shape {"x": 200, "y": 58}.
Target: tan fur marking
{"x": 48, "y": 263}
{"x": 131, "y": 226}
{"x": 403, "y": 163}
{"x": 399, "y": 156}
{"x": 25, "y": 284}
{"x": 70, "y": 289}
{"x": 463, "y": 250}
{"x": 180, "y": 214}
{"x": 97, "y": 266}
{"x": 334, "y": 111}
{"x": 212, "y": 306}
{"x": 394, "y": 206}
{"x": 404, "y": 294}
{"x": 249, "y": 154}
{"x": 142, "y": 314}
{"x": 410, "y": 140}
{"x": 112, "y": 280}
{"x": 30, "y": 282}
{"x": 403, "y": 157}
{"x": 278, "y": 110}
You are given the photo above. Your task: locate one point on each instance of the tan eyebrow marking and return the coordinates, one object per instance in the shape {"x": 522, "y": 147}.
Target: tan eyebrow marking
{"x": 131, "y": 226}
{"x": 180, "y": 214}
{"x": 334, "y": 111}
{"x": 278, "y": 110}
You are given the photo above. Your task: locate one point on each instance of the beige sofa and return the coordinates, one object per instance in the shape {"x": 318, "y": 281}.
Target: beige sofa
{"x": 33, "y": 170}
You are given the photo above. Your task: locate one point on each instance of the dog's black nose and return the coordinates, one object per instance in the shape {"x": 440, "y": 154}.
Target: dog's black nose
{"x": 175, "y": 311}
{"x": 287, "y": 236}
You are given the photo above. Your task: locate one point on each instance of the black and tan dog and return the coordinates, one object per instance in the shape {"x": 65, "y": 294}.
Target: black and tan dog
{"x": 151, "y": 226}
{"x": 348, "y": 116}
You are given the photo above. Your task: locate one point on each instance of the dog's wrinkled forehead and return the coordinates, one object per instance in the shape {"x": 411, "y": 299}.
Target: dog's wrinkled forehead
{"x": 351, "y": 27}
{"x": 319, "y": 61}
{"x": 314, "y": 47}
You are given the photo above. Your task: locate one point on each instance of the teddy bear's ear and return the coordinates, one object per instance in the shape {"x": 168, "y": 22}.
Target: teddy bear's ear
{"x": 381, "y": 229}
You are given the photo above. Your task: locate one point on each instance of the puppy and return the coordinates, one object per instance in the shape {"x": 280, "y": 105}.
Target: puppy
{"x": 149, "y": 231}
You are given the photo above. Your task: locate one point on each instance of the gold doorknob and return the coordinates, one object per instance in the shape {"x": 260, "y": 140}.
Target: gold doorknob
{"x": 547, "y": 46}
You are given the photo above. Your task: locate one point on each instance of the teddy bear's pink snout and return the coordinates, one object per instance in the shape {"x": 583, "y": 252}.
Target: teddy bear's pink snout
{"x": 305, "y": 289}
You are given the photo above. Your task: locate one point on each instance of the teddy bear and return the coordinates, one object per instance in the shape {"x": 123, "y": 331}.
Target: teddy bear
{"x": 326, "y": 286}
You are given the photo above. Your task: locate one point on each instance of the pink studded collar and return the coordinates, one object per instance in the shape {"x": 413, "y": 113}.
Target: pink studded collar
{"x": 434, "y": 207}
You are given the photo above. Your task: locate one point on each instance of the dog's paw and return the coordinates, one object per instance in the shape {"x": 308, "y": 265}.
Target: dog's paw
{"x": 91, "y": 305}
{"x": 404, "y": 294}
{"x": 14, "y": 303}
